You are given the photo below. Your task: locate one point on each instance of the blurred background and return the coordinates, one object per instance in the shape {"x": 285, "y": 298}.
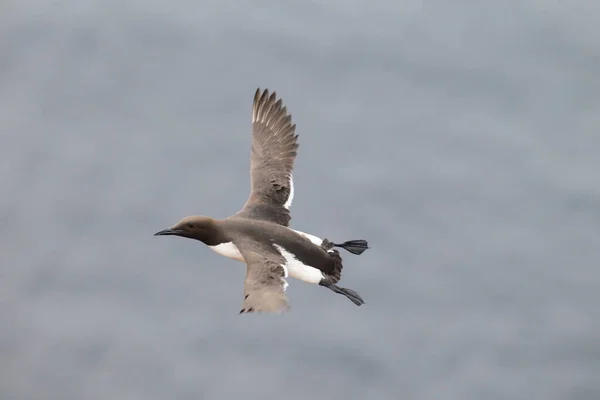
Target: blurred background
{"x": 460, "y": 138}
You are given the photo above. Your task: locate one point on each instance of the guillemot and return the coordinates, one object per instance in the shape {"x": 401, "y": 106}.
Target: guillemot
{"x": 259, "y": 234}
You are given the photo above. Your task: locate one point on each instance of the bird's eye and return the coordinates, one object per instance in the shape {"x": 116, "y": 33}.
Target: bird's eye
{"x": 190, "y": 225}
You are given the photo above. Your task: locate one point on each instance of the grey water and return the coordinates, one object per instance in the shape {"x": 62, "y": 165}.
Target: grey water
{"x": 460, "y": 138}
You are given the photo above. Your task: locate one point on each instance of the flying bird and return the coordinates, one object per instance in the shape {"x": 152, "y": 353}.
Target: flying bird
{"x": 259, "y": 234}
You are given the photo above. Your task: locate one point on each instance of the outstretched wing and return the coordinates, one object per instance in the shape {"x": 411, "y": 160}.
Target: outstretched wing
{"x": 274, "y": 148}
{"x": 265, "y": 284}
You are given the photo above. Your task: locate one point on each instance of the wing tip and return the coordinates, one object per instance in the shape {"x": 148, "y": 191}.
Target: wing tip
{"x": 268, "y": 108}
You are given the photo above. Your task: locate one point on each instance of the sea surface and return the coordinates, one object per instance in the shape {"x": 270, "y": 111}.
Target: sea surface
{"x": 461, "y": 138}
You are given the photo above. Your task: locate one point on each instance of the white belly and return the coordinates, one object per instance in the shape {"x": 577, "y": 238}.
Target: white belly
{"x": 295, "y": 268}
{"x": 228, "y": 250}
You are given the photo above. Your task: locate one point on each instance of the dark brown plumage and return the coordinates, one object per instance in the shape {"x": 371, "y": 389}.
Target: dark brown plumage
{"x": 259, "y": 234}
{"x": 274, "y": 149}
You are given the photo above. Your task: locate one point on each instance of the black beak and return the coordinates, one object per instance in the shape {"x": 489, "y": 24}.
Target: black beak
{"x": 168, "y": 231}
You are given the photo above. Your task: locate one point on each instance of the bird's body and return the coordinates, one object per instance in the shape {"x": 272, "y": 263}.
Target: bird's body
{"x": 259, "y": 234}
{"x": 310, "y": 262}
{"x": 230, "y": 251}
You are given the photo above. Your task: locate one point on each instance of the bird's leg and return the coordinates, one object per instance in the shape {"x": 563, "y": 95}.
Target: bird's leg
{"x": 353, "y": 246}
{"x": 326, "y": 244}
{"x": 349, "y": 293}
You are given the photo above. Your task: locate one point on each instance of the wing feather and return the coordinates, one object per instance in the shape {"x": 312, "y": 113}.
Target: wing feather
{"x": 274, "y": 149}
{"x": 265, "y": 283}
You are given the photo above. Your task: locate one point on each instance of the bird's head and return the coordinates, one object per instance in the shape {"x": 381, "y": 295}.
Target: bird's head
{"x": 196, "y": 227}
